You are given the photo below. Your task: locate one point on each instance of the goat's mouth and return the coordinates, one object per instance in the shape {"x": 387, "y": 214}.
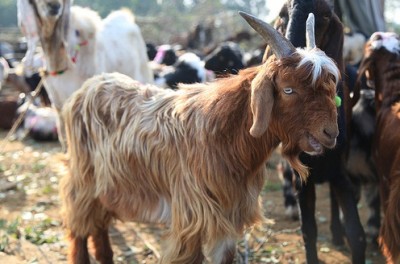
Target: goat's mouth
{"x": 314, "y": 145}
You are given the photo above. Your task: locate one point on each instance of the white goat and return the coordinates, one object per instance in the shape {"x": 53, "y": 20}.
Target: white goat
{"x": 78, "y": 44}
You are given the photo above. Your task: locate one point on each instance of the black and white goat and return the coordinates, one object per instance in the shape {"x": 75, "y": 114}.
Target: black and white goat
{"x": 188, "y": 69}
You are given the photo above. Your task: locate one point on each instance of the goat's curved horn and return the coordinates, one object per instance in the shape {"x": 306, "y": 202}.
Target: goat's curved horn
{"x": 310, "y": 34}
{"x": 280, "y": 46}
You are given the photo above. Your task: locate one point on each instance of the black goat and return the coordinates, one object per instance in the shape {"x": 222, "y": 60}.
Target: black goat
{"x": 330, "y": 167}
{"x": 360, "y": 163}
{"x": 227, "y": 58}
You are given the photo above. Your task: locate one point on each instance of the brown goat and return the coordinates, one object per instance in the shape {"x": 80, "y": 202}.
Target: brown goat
{"x": 192, "y": 159}
{"x": 381, "y": 65}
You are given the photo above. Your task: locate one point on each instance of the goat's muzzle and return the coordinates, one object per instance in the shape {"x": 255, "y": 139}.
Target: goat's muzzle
{"x": 314, "y": 144}
{"x": 54, "y": 8}
{"x": 330, "y": 133}
{"x": 327, "y": 136}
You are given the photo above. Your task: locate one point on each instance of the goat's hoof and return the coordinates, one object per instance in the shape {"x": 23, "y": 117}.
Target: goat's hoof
{"x": 338, "y": 241}
{"x": 292, "y": 212}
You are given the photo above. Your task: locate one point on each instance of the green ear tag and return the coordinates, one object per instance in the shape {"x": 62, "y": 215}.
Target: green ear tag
{"x": 338, "y": 101}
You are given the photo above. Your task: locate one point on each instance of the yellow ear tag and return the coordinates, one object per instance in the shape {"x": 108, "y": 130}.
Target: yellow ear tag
{"x": 338, "y": 101}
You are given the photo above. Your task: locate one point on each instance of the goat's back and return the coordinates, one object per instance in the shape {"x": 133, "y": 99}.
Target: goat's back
{"x": 118, "y": 35}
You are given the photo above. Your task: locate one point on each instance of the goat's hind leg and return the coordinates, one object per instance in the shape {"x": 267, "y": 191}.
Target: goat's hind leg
{"x": 84, "y": 216}
{"x": 373, "y": 200}
{"x": 289, "y": 193}
{"x": 79, "y": 252}
{"x": 94, "y": 226}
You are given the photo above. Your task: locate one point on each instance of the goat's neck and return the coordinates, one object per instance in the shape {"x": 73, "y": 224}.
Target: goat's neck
{"x": 229, "y": 115}
{"x": 387, "y": 83}
{"x": 52, "y": 38}
{"x": 56, "y": 56}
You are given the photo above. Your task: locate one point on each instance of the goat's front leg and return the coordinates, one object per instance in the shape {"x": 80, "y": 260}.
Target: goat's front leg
{"x": 353, "y": 228}
{"x": 182, "y": 249}
{"x": 336, "y": 224}
{"x": 78, "y": 252}
{"x": 306, "y": 196}
{"x": 222, "y": 252}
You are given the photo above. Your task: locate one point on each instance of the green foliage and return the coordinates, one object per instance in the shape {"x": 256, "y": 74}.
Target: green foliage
{"x": 8, "y": 230}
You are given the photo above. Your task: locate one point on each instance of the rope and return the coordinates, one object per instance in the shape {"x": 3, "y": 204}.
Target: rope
{"x": 21, "y": 116}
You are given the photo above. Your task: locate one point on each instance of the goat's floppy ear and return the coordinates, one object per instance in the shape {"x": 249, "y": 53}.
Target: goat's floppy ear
{"x": 262, "y": 100}
{"x": 65, "y": 17}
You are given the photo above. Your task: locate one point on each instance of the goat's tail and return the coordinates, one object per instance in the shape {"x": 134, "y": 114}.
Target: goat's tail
{"x": 390, "y": 231}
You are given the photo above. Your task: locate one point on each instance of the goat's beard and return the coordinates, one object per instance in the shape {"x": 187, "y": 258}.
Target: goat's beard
{"x": 291, "y": 152}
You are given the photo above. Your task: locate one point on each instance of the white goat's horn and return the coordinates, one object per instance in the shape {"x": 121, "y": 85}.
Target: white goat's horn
{"x": 310, "y": 34}
{"x": 280, "y": 46}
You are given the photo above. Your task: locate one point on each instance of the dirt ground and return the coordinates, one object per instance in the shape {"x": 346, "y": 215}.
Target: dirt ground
{"x": 31, "y": 230}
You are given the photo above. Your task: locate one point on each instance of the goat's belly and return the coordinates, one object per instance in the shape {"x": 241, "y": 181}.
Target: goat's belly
{"x": 130, "y": 207}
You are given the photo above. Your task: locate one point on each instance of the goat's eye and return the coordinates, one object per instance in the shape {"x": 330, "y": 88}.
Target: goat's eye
{"x": 288, "y": 90}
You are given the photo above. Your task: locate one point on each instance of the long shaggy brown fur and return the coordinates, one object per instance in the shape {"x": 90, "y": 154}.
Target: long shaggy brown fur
{"x": 186, "y": 158}
{"x": 388, "y": 165}
{"x": 382, "y": 69}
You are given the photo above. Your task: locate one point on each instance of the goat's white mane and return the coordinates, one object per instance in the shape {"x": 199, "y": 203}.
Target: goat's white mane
{"x": 320, "y": 61}
{"x": 389, "y": 40}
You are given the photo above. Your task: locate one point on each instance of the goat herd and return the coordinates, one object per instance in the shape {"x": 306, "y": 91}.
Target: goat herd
{"x": 183, "y": 140}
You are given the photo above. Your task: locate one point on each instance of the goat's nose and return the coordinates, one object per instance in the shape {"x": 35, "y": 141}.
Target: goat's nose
{"x": 54, "y": 8}
{"x": 331, "y": 132}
